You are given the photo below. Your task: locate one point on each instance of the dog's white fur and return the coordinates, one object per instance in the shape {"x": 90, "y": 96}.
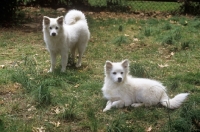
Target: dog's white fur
{"x": 63, "y": 35}
{"x": 121, "y": 89}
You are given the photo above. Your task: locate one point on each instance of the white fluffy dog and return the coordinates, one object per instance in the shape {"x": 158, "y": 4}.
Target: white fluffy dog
{"x": 121, "y": 89}
{"x": 63, "y": 35}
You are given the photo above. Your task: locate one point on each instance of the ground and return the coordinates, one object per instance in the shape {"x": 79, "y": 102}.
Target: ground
{"x": 159, "y": 46}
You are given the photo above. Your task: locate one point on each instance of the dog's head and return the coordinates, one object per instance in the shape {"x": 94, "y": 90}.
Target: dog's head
{"x": 117, "y": 71}
{"x": 53, "y": 25}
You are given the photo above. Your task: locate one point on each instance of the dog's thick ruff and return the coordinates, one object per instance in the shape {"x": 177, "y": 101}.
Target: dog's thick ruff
{"x": 121, "y": 89}
{"x": 64, "y": 35}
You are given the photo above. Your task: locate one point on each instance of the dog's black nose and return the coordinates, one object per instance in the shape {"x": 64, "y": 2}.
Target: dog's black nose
{"x": 119, "y": 79}
{"x": 53, "y": 34}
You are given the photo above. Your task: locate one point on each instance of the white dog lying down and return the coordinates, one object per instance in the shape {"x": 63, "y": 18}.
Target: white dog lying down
{"x": 121, "y": 89}
{"x": 63, "y": 35}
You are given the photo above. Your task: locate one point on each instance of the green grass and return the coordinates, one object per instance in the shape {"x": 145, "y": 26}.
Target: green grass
{"x": 154, "y": 6}
{"x": 32, "y": 99}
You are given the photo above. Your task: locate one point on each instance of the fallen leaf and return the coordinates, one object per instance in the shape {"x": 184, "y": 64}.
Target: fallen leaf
{"x": 76, "y": 86}
{"x": 30, "y": 117}
{"x": 37, "y": 129}
{"x": 90, "y": 13}
{"x": 45, "y": 70}
{"x": 162, "y": 66}
{"x": 66, "y": 105}
{"x": 2, "y": 66}
{"x": 149, "y": 129}
{"x": 17, "y": 85}
{"x": 172, "y": 22}
{"x": 135, "y": 39}
{"x": 185, "y": 23}
{"x": 1, "y": 102}
{"x": 56, "y": 124}
{"x": 169, "y": 56}
{"x": 61, "y": 10}
{"x": 57, "y": 111}
{"x": 32, "y": 108}
{"x": 31, "y": 78}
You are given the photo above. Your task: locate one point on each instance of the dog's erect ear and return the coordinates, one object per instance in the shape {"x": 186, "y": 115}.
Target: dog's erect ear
{"x": 108, "y": 65}
{"x": 60, "y": 20}
{"x": 46, "y": 20}
{"x": 125, "y": 63}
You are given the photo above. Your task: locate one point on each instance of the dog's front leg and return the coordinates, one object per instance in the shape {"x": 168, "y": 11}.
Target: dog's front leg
{"x": 118, "y": 104}
{"x": 137, "y": 104}
{"x": 108, "y": 106}
{"x": 64, "y": 61}
{"x": 53, "y": 61}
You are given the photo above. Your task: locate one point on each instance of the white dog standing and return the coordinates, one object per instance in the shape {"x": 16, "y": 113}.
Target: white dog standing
{"x": 64, "y": 35}
{"x": 121, "y": 89}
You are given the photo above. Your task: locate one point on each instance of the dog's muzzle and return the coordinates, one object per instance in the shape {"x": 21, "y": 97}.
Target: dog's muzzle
{"x": 119, "y": 79}
{"x": 53, "y": 34}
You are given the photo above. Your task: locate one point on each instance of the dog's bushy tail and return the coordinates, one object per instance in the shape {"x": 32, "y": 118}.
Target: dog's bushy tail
{"x": 73, "y": 16}
{"x": 174, "y": 102}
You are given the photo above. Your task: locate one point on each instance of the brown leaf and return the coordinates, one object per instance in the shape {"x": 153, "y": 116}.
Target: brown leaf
{"x": 56, "y": 124}
{"x": 66, "y": 105}
{"x": 17, "y": 85}
{"x": 37, "y": 129}
{"x": 32, "y": 108}
{"x": 1, "y": 102}
{"x": 57, "y": 110}
{"x": 76, "y": 86}
{"x": 135, "y": 39}
{"x": 149, "y": 129}
{"x": 169, "y": 56}
{"x": 2, "y": 66}
{"x": 172, "y": 53}
{"x": 162, "y": 66}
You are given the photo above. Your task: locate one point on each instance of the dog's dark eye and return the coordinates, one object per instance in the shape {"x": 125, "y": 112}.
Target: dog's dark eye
{"x": 114, "y": 73}
{"x": 121, "y": 72}
{"x": 50, "y": 27}
{"x": 56, "y": 27}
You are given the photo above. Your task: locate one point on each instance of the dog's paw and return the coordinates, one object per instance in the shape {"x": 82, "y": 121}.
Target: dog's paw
{"x": 108, "y": 106}
{"x": 137, "y": 104}
{"x": 106, "y": 109}
{"x": 63, "y": 70}
{"x": 50, "y": 71}
{"x": 78, "y": 65}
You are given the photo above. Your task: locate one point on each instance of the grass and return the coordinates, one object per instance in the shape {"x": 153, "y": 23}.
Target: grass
{"x": 165, "y": 49}
{"x": 154, "y": 6}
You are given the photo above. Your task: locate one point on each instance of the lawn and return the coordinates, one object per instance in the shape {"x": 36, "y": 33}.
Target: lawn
{"x": 165, "y": 48}
{"x": 154, "y": 6}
